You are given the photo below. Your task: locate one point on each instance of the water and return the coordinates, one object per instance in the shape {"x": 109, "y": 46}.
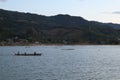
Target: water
{"x": 61, "y": 63}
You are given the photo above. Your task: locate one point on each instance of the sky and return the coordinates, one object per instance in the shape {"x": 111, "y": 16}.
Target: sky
{"x": 93, "y": 10}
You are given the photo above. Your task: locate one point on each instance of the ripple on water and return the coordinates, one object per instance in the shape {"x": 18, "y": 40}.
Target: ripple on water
{"x": 57, "y": 63}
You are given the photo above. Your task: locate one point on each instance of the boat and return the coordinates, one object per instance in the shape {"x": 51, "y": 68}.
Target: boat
{"x": 28, "y": 54}
{"x": 68, "y": 49}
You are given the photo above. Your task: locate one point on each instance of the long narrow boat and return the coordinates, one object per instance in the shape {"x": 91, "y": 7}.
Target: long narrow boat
{"x": 29, "y": 54}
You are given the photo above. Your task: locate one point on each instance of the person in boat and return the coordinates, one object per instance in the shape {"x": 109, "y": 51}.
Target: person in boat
{"x": 35, "y": 53}
{"x": 25, "y": 53}
{"x": 18, "y": 53}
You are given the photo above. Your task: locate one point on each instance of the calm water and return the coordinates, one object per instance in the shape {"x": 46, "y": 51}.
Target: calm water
{"x": 61, "y": 63}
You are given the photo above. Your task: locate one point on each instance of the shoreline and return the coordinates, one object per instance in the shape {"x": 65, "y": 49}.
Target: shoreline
{"x": 61, "y": 45}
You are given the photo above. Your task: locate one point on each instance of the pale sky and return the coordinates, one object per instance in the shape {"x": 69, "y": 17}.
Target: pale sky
{"x": 97, "y": 10}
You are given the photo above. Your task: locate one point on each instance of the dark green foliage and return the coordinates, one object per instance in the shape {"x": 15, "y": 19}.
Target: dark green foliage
{"x": 63, "y": 29}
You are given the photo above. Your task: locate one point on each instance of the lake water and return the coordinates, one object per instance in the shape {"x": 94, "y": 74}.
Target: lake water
{"x": 61, "y": 63}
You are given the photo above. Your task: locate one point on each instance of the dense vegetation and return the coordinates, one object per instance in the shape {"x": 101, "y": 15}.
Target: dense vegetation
{"x": 59, "y": 29}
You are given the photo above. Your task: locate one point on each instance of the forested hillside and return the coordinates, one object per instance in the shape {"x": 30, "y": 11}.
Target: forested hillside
{"x": 18, "y": 27}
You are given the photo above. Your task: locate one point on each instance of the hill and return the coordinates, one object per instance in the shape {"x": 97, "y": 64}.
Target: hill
{"x": 19, "y": 27}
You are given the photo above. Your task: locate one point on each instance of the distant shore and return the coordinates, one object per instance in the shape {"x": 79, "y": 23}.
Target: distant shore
{"x": 50, "y": 44}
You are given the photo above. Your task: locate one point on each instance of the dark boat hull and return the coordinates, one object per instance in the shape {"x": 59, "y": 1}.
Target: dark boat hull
{"x": 28, "y": 54}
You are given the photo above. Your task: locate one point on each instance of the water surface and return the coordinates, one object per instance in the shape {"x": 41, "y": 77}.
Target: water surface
{"x": 61, "y": 63}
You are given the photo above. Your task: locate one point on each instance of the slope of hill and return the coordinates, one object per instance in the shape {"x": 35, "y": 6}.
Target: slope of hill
{"x": 60, "y": 29}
